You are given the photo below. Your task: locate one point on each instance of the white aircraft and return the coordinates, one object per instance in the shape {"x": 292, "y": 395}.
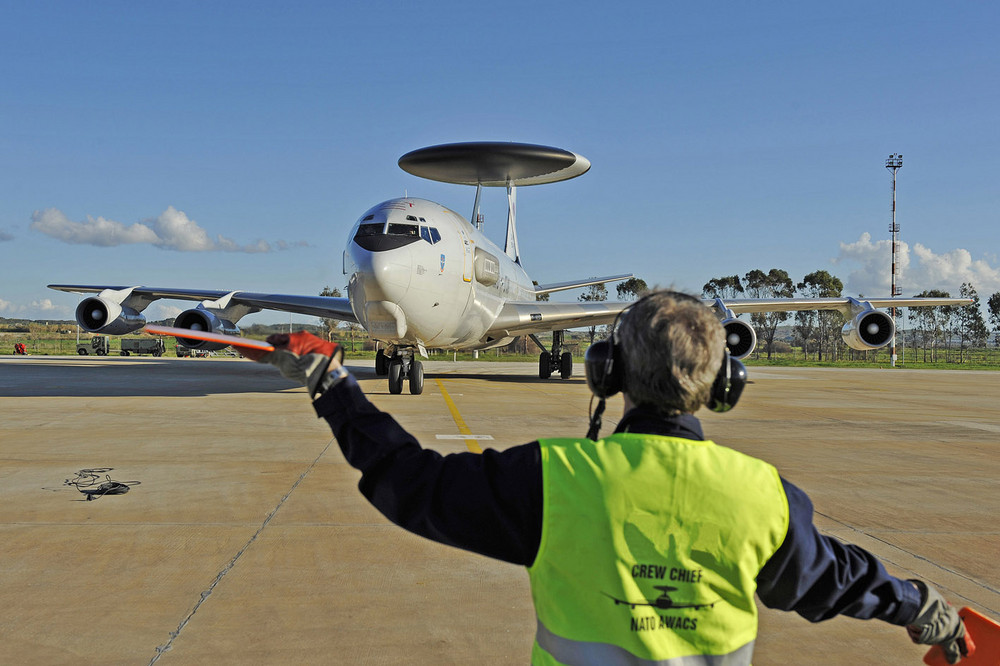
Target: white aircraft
{"x": 420, "y": 276}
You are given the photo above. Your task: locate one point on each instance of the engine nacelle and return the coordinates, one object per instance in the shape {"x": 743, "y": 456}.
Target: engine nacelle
{"x": 869, "y": 330}
{"x": 99, "y": 315}
{"x": 203, "y": 320}
{"x": 740, "y": 337}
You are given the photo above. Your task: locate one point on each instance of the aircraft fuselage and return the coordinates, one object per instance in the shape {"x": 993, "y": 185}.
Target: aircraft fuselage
{"x": 419, "y": 275}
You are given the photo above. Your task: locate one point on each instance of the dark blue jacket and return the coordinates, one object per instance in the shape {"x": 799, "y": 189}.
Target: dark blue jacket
{"x": 491, "y": 503}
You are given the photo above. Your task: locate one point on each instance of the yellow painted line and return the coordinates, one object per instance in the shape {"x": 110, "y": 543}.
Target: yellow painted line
{"x": 472, "y": 444}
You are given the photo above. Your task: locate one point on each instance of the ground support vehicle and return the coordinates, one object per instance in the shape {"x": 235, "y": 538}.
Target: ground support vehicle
{"x": 99, "y": 346}
{"x": 152, "y": 346}
{"x": 183, "y": 352}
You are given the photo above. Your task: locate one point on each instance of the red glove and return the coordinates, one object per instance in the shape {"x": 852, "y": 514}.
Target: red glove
{"x": 302, "y": 357}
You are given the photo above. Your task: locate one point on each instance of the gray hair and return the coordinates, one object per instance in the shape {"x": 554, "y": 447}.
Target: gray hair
{"x": 673, "y": 347}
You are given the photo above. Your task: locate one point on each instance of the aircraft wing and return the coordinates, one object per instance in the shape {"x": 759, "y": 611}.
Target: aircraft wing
{"x": 576, "y": 284}
{"x": 328, "y": 307}
{"x": 846, "y": 306}
{"x": 523, "y": 317}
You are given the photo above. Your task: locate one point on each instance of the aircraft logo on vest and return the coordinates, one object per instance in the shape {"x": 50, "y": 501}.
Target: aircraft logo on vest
{"x": 664, "y": 601}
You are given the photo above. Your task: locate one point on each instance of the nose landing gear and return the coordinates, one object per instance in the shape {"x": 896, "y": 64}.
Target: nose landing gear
{"x": 556, "y": 360}
{"x": 401, "y": 365}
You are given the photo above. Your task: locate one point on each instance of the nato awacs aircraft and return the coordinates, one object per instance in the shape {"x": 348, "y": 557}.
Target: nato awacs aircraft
{"x": 421, "y": 276}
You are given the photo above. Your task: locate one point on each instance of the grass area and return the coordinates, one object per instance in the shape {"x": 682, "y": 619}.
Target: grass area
{"x": 64, "y": 343}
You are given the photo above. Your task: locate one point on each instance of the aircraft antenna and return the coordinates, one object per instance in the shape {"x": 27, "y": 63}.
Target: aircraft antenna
{"x": 894, "y": 164}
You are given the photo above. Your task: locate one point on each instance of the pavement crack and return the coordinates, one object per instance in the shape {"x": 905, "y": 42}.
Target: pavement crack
{"x": 207, "y": 592}
{"x": 949, "y": 570}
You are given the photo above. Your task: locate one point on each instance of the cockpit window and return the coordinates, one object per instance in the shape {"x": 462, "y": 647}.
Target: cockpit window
{"x": 411, "y": 218}
{"x": 430, "y": 234}
{"x": 374, "y": 229}
{"x": 368, "y": 217}
{"x": 410, "y": 230}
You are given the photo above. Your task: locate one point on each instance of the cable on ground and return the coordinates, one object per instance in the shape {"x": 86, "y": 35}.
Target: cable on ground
{"x": 88, "y": 482}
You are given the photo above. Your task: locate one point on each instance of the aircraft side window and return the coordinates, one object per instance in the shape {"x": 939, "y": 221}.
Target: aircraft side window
{"x": 397, "y": 229}
{"x": 435, "y": 236}
{"x": 374, "y": 229}
{"x": 410, "y": 218}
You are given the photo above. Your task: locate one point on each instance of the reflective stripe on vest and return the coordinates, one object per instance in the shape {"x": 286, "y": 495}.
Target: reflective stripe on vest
{"x": 581, "y": 653}
{"x": 650, "y": 550}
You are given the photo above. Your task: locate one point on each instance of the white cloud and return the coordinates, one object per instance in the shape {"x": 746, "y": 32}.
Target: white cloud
{"x": 158, "y": 311}
{"x": 171, "y": 230}
{"x": 918, "y": 268}
{"x": 42, "y": 308}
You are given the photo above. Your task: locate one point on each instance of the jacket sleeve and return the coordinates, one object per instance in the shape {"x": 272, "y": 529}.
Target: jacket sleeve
{"x": 489, "y": 503}
{"x": 819, "y": 577}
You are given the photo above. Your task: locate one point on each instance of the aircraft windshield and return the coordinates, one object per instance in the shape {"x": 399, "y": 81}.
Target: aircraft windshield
{"x": 374, "y": 229}
{"x": 409, "y": 230}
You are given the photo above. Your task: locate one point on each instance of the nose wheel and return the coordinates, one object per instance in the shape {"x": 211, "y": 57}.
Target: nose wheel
{"x": 403, "y": 367}
{"x": 557, "y": 360}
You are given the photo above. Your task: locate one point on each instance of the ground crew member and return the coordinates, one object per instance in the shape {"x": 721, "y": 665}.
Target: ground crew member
{"x": 645, "y": 545}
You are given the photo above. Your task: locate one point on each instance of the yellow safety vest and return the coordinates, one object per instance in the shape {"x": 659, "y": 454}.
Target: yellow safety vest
{"x": 650, "y": 551}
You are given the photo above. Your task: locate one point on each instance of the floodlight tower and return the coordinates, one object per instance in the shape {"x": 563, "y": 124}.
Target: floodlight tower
{"x": 893, "y": 164}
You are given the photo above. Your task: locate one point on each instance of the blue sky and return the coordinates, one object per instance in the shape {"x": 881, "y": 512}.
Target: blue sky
{"x": 232, "y": 145}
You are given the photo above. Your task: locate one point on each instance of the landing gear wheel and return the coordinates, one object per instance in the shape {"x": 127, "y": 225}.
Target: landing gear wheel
{"x": 396, "y": 376}
{"x": 544, "y": 365}
{"x": 381, "y": 364}
{"x": 566, "y": 365}
{"x": 416, "y": 378}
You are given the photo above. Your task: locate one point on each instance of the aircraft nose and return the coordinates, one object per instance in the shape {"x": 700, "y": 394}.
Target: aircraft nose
{"x": 383, "y": 276}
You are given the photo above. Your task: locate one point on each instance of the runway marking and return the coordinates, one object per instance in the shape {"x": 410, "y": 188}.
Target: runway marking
{"x": 479, "y": 437}
{"x": 470, "y": 441}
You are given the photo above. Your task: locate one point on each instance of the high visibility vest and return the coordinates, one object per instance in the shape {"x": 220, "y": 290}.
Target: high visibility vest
{"x": 650, "y": 551}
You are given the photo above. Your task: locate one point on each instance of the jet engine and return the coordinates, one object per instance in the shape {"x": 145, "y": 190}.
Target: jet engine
{"x": 199, "y": 319}
{"x": 868, "y": 330}
{"x": 740, "y": 337}
{"x": 99, "y": 315}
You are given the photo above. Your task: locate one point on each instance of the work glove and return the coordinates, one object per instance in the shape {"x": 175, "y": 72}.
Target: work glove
{"x": 938, "y": 623}
{"x": 302, "y": 357}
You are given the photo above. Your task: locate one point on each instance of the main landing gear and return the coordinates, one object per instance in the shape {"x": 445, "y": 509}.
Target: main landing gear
{"x": 556, "y": 360}
{"x": 398, "y": 367}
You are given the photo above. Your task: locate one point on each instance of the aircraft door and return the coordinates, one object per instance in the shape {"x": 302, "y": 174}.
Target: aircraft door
{"x": 467, "y": 255}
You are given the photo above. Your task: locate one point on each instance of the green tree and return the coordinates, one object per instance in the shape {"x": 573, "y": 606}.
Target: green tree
{"x": 969, "y": 323}
{"x": 330, "y": 325}
{"x": 540, "y": 297}
{"x": 819, "y": 324}
{"x": 723, "y": 287}
{"x": 595, "y": 292}
{"x": 993, "y": 307}
{"x": 773, "y": 284}
{"x": 931, "y": 324}
{"x": 631, "y": 288}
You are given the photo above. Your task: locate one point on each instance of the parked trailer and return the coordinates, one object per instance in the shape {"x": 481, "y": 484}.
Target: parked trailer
{"x": 99, "y": 345}
{"x": 183, "y": 352}
{"x": 152, "y": 346}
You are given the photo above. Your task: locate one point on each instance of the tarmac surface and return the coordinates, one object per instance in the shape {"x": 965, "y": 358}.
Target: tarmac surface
{"x": 246, "y": 541}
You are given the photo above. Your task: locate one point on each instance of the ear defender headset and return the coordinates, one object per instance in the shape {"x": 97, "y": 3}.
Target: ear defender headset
{"x": 605, "y": 370}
